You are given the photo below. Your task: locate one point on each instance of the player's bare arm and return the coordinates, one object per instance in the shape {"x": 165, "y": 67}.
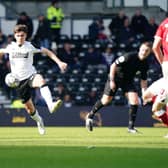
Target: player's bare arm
{"x": 112, "y": 75}
{"x": 1, "y": 53}
{"x": 143, "y": 91}
{"x": 157, "y": 49}
{"x": 143, "y": 86}
{"x": 62, "y": 65}
{"x": 147, "y": 96}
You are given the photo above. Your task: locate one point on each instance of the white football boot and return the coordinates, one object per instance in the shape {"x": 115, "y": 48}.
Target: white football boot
{"x": 40, "y": 125}
{"x": 55, "y": 106}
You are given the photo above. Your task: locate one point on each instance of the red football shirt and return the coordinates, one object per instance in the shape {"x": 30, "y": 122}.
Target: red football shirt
{"x": 162, "y": 32}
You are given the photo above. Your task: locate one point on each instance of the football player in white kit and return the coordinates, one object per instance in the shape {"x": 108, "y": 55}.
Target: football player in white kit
{"x": 157, "y": 93}
{"x": 21, "y": 55}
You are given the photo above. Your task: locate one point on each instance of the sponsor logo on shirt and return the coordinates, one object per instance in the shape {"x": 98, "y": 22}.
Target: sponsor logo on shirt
{"x": 20, "y": 55}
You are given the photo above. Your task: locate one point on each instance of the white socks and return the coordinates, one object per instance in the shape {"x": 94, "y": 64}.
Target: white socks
{"x": 46, "y": 94}
{"x": 39, "y": 121}
{"x": 36, "y": 116}
{"x": 159, "y": 113}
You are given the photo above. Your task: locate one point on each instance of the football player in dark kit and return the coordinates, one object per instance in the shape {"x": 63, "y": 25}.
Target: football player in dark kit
{"x": 121, "y": 75}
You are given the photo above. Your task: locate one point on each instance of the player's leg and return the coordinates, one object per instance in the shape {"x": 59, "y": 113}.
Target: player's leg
{"x": 148, "y": 97}
{"x": 156, "y": 88}
{"x": 156, "y": 94}
{"x": 166, "y": 122}
{"x": 29, "y": 106}
{"x": 163, "y": 115}
{"x": 89, "y": 117}
{"x": 24, "y": 92}
{"x": 105, "y": 100}
{"x": 133, "y": 103}
{"x": 159, "y": 107}
{"x": 160, "y": 110}
{"x": 98, "y": 105}
{"x": 38, "y": 81}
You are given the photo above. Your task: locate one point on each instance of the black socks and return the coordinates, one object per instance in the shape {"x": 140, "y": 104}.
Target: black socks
{"x": 132, "y": 115}
{"x": 98, "y": 105}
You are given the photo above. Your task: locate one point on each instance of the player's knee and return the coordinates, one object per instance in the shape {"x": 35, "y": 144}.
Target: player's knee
{"x": 145, "y": 97}
{"x": 42, "y": 81}
{"x": 30, "y": 109}
{"x": 106, "y": 101}
{"x": 133, "y": 99}
{"x": 39, "y": 79}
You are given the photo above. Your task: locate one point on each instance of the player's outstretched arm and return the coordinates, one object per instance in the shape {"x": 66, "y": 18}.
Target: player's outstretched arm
{"x": 147, "y": 96}
{"x": 157, "y": 49}
{"x": 62, "y": 65}
{"x": 112, "y": 76}
{"x": 143, "y": 84}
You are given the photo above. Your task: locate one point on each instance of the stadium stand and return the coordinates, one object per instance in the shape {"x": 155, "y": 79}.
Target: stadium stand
{"x": 82, "y": 79}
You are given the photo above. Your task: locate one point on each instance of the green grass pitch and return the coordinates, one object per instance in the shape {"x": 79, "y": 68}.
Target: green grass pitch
{"x": 75, "y": 147}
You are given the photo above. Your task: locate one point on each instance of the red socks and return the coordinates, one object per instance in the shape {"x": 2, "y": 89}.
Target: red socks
{"x": 164, "y": 117}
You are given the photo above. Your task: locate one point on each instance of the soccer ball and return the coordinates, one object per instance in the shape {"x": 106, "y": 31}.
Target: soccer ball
{"x": 11, "y": 80}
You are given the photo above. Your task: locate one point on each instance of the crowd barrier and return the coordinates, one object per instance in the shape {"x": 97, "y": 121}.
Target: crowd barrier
{"x": 75, "y": 115}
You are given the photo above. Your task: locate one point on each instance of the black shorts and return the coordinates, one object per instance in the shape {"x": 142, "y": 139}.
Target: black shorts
{"x": 126, "y": 86}
{"x": 25, "y": 89}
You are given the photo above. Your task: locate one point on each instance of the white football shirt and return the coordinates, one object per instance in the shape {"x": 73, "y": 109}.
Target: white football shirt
{"x": 21, "y": 59}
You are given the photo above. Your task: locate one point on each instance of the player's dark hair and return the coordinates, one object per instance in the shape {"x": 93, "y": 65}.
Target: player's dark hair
{"x": 53, "y": 2}
{"x": 20, "y": 28}
{"x": 147, "y": 43}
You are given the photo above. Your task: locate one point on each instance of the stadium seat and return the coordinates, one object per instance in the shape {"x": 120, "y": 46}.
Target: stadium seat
{"x": 76, "y": 40}
{"x": 87, "y": 79}
{"x": 86, "y": 39}
{"x": 74, "y": 79}
{"x": 84, "y": 46}
{"x": 76, "y": 37}
{"x": 81, "y": 55}
{"x": 64, "y": 38}
{"x": 80, "y": 99}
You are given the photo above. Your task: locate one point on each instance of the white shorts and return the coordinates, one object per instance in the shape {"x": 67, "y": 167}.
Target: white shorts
{"x": 156, "y": 87}
{"x": 160, "y": 88}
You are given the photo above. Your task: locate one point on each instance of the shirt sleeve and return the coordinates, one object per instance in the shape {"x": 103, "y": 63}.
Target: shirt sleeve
{"x": 35, "y": 48}
{"x": 6, "y": 50}
{"x": 122, "y": 60}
